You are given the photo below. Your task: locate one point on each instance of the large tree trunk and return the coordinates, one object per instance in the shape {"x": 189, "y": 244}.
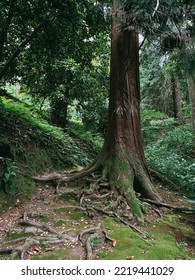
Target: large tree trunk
{"x": 121, "y": 160}
{"x": 191, "y": 90}
{"x": 122, "y": 156}
{"x": 177, "y": 104}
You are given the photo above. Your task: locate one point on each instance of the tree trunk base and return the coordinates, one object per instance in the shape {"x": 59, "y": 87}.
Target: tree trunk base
{"x": 119, "y": 175}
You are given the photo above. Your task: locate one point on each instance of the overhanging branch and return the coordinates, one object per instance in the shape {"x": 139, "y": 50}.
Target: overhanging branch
{"x": 153, "y": 15}
{"x": 156, "y": 8}
{"x": 15, "y": 54}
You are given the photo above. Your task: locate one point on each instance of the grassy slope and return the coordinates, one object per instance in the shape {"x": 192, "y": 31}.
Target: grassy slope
{"x": 35, "y": 145}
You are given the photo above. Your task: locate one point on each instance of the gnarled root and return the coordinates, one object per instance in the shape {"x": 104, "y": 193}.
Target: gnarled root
{"x": 170, "y": 206}
{"x": 119, "y": 174}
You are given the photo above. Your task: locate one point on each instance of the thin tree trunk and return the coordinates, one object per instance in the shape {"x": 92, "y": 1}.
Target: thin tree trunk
{"x": 177, "y": 103}
{"x": 191, "y": 89}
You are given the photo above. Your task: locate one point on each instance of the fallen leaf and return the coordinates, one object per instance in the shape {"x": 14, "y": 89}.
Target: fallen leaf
{"x": 130, "y": 257}
{"x": 37, "y": 250}
{"x": 15, "y": 214}
{"x": 113, "y": 242}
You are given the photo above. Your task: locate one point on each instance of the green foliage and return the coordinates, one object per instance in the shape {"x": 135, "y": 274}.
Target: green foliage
{"x": 81, "y": 131}
{"x": 150, "y": 114}
{"x": 36, "y": 146}
{"x": 153, "y": 125}
{"x": 95, "y": 241}
{"x": 48, "y": 31}
{"x": 10, "y": 171}
{"x": 155, "y": 83}
{"x": 173, "y": 156}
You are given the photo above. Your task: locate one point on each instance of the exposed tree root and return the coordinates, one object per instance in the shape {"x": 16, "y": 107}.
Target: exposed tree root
{"x": 142, "y": 234}
{"x": 108, "y": 176}
{"x": 89, "y": 246}
{"x": 50, "y": 237}
{"x": 170, "y": 206}
{"x": 67, "y": 177}
{"x": 21, "y": 249}
{"x": 89, "y": 231}
{"x": 104, "y": 196}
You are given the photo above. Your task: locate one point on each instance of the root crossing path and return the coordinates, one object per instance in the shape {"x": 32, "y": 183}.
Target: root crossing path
{"x": 68, "y": 222}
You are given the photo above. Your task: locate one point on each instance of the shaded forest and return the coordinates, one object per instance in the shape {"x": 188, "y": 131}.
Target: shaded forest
{"x": 97, "y": 126}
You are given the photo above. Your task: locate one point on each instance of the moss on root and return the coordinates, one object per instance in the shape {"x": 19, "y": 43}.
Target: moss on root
{"x": 121, "y": 177}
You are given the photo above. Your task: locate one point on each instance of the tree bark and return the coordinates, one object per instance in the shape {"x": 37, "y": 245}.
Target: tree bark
{"x": 177, "y": 103}
{"x": 191, "y": 89}
{"x": 122, "y": 156}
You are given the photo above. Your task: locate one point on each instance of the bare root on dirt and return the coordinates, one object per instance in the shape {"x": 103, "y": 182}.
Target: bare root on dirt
{"x": 96, "y": 199}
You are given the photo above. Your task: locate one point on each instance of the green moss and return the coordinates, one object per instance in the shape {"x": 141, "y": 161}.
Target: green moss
{"x": 68, "y": 196}
{"x": 74, "y": 214}
{"x": 161, "y": 245}
{"x": 122, "y": 178}
{"x": 59, "y": 223}
{"x": 54, "y": 255}
{"x": 4, "y": 257}
{"x": 45, "y": 219}
{"x": 16, "y": 235}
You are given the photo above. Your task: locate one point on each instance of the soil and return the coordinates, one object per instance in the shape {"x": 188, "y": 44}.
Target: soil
{"x": 72, "y": 221}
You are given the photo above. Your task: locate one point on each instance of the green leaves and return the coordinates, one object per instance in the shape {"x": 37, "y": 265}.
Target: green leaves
{"x": 10, "y": 171}
{"x": 173, "y": 156}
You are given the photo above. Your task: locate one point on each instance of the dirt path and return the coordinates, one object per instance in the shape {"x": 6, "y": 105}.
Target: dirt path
{"x": 54, "y": 212}
{"x": 9, "y": 219}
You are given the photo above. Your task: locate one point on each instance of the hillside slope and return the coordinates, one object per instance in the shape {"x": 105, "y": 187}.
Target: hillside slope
{"x": 29, "y": 145}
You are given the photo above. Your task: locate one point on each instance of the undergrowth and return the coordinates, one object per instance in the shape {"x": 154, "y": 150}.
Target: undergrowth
{"x": 170, "y": 149}
{"x": 174, "y": 157}
{"x": 39, "y": 147}
{"x": 35, "y": 147}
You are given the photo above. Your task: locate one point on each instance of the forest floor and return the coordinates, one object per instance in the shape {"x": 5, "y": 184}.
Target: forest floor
{"x": 46, "y": 223}
{"x": 53, "y": 226}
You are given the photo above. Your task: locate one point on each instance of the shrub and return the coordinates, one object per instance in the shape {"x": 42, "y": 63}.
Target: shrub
{"x": 173, "y": 156}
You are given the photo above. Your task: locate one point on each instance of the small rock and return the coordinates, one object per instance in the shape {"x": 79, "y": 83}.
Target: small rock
{"x": 33, "y": 230}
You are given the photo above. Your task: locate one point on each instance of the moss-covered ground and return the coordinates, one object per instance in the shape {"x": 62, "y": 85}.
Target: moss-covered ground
{"x": 169, "y": 237}
{"x": 161, "y": 242}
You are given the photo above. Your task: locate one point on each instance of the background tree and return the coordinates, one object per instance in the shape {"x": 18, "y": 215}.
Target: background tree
{"x": 50, "y": 49}
{"x": 155, "y": 79}
{"x": 45, "y": 30}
